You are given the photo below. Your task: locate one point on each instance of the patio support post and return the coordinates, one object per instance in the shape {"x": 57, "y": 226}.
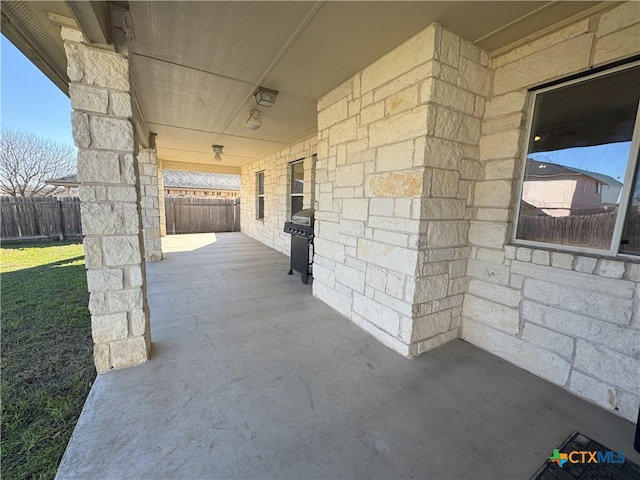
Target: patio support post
{"x": 163, "y": 217}
{"x": 150, "y": 203}
{"x": 108, "y": 173}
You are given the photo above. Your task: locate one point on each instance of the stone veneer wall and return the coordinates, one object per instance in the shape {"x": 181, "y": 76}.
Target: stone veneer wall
{"x": 571, "y": 319}
{"x": 397, "y": 155}
{"x": 277, "y": 189}
{"x": 150, "y": 202}
{"x": 109, "y": 191}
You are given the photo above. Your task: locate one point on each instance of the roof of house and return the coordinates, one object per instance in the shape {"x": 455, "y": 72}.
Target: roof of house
{"x": 204, "y": 181}
{"x": 176, "y": 179}
{"x": 541, "y": 169}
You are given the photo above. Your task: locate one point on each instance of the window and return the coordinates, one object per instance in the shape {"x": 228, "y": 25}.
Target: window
{"x": 582, "y": 139}
{"x": 297, "y": 186}
{"x": 260, "y": 195}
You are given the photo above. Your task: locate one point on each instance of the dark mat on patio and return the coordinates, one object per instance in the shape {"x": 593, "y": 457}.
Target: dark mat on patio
{"x": 604, "y": 470}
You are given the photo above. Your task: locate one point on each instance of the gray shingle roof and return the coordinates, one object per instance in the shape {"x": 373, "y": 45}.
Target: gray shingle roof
{"x": 208, "y": 181}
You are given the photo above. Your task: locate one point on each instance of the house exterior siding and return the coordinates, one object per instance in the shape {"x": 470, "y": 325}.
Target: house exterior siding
{"x": 569, "y": 318}
{"x": 276, "y": 194}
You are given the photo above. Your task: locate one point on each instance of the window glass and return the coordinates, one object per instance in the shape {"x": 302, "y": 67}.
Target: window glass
{"x": 260, "y": 195}
{"x": 577, "y": 157}
{"x": 297, "y": 186}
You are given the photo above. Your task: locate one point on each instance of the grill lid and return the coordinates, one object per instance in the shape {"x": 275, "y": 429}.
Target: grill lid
{"x": 303, "y": 217}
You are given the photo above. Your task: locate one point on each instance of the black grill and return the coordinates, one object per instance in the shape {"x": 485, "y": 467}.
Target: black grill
{"x": 301, "y": 230}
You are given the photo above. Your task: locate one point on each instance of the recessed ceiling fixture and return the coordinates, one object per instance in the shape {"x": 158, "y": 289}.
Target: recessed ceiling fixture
{"x": 254, "y": 121}
{"x": 265, "y": 96}
{"x": 217, "y": 150}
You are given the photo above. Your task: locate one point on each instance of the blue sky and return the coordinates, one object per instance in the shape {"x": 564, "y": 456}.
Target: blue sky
{"x": 29, "y": 100}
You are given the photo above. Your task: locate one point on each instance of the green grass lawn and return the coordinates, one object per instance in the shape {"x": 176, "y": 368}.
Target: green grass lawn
{"x": 47, "y": 365}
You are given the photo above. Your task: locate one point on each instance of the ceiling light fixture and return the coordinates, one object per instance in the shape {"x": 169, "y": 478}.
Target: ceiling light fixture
{"x": 217, "y": 150}
{"x": 254, "y": 121}
{"x": 265, "y": 96}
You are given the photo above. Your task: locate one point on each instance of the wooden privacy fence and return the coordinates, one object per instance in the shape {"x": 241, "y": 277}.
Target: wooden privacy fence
{"x": 201, "y": 215}
{"x": 39, "y": 217}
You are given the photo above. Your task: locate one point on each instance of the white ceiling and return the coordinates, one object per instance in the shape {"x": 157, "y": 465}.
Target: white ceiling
{"x": 196, "y": 64}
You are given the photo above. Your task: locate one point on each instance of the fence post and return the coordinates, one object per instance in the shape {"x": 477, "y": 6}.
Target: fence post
{"x": 60, "y": 225}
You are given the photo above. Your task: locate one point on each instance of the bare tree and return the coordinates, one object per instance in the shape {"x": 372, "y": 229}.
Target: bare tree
{"x": 27, "y": 160}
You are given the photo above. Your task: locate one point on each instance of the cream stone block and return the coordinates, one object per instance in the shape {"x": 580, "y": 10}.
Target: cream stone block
{"x": 597, "y": 391}
{"x": 395, "y": 157}
{"x": 105, "y": 328}
{"x": 398, "y": 305}
{"x": 92, "y": 193}
{"x": 629, "y": 405}
{"x": 128, "y": 164}
{"x": 372, "y": 113}
{"x": 587, "y": 302}
{"x": 540, "y": 362}
{"x": 101, "y": 280}
{"x": 501, "y": 145}
{"x": 444, "y": 183}
{"x": 456, "y": 126}
{"x": 503, "y": 123}
{"x": 442, "y": 209}
{"x": 474, "y": 77}
{"x": 395, "y": 224}
{"x": 554, "y": 341}
{"x": 350, "y": 277}
{"x": 92, "y": 252}
{"x": 418, "y": 49}
{"x": 376, "y": 313}
{"x": 138, "y": 321}
{"x": 620, "y": 338}
{"x": 382, "y": 206}
{"x": 556, "y": 61}
{"x": 343, "y": 132}
{"x": 492, "y": 314}
{"x": 395, "y": 258}
{"x": 431, "y": 325}
{"x": 512, "y": 102}
{"x": 610, "y": 268}
{"x": 94, "y": 66}
{"x": 449, "y": 47}
{"x": 618, "y": 18}
{"x": 120, "y": 104}
{"x": 350, "y": 175}
{"x": 332, "y": 114}
{"x": 562, "y": 260}
{"x": 441, "y": 153}
{"x": 487, "y": 234}
{"x": 404, "y": 126}
{"x": 392, "y": 238}
{"x": 411, "y": 78}
{"x": 431, "y": 288}
{"x": 121, "y": 250}
{"x": 88, "y": 98}
{"x": 446, "y": 234}
{"x": 80, "y": 129}
{"x": 541, "y": 257}
{"x": 496, "y": 293}
{"x": 470, "y": 51}
{"x": 125, "y": 300}
{"x": 500, "y": 170}
{"x": 129, "y": 351}
{"x": 489, "y": 272}
{"x": 121, "y": 194}
{"x": 621, "y": 370}
{"x": 584, "y": 281}
{"x": 355, "y": 209}
{"x": 494, "y": 193}
{"x": 101, "y": 357}
{"x": 586, "y": 264}
{"x": 617, "y": 45}
{"x": 449, "y": 95}
{"x": 109, "y": 218}
{"x": 542, "y": 43}
{"x": 111, "y": 133}
{"x": 401, "y": 101}
{"x": 135, "y": 276}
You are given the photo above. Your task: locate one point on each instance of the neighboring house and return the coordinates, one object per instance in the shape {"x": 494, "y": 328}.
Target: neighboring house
{"x": 179, "y": 183}
{"x": 560, "y": 191}
{"x": 408, "y": 126}
{"x": 201, "y": 184}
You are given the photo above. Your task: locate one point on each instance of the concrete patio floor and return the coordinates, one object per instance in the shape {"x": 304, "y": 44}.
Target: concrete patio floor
{"x": 252, "y": 377}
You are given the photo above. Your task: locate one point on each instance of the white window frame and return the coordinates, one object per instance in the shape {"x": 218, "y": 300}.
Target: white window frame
{"x": 291, "y": 194}
{"x": 627, "y": 187}
{"x": 259, "y": 195}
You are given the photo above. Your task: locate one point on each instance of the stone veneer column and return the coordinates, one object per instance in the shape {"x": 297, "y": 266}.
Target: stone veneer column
{"x": 163, "y": 216}
{"x": 150, "y": 203}
{"x": 99, "y": 89}
{"x": 397, "y": 158}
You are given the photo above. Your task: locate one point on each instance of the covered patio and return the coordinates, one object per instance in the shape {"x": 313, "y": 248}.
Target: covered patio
{"x": 253, "y": 377}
